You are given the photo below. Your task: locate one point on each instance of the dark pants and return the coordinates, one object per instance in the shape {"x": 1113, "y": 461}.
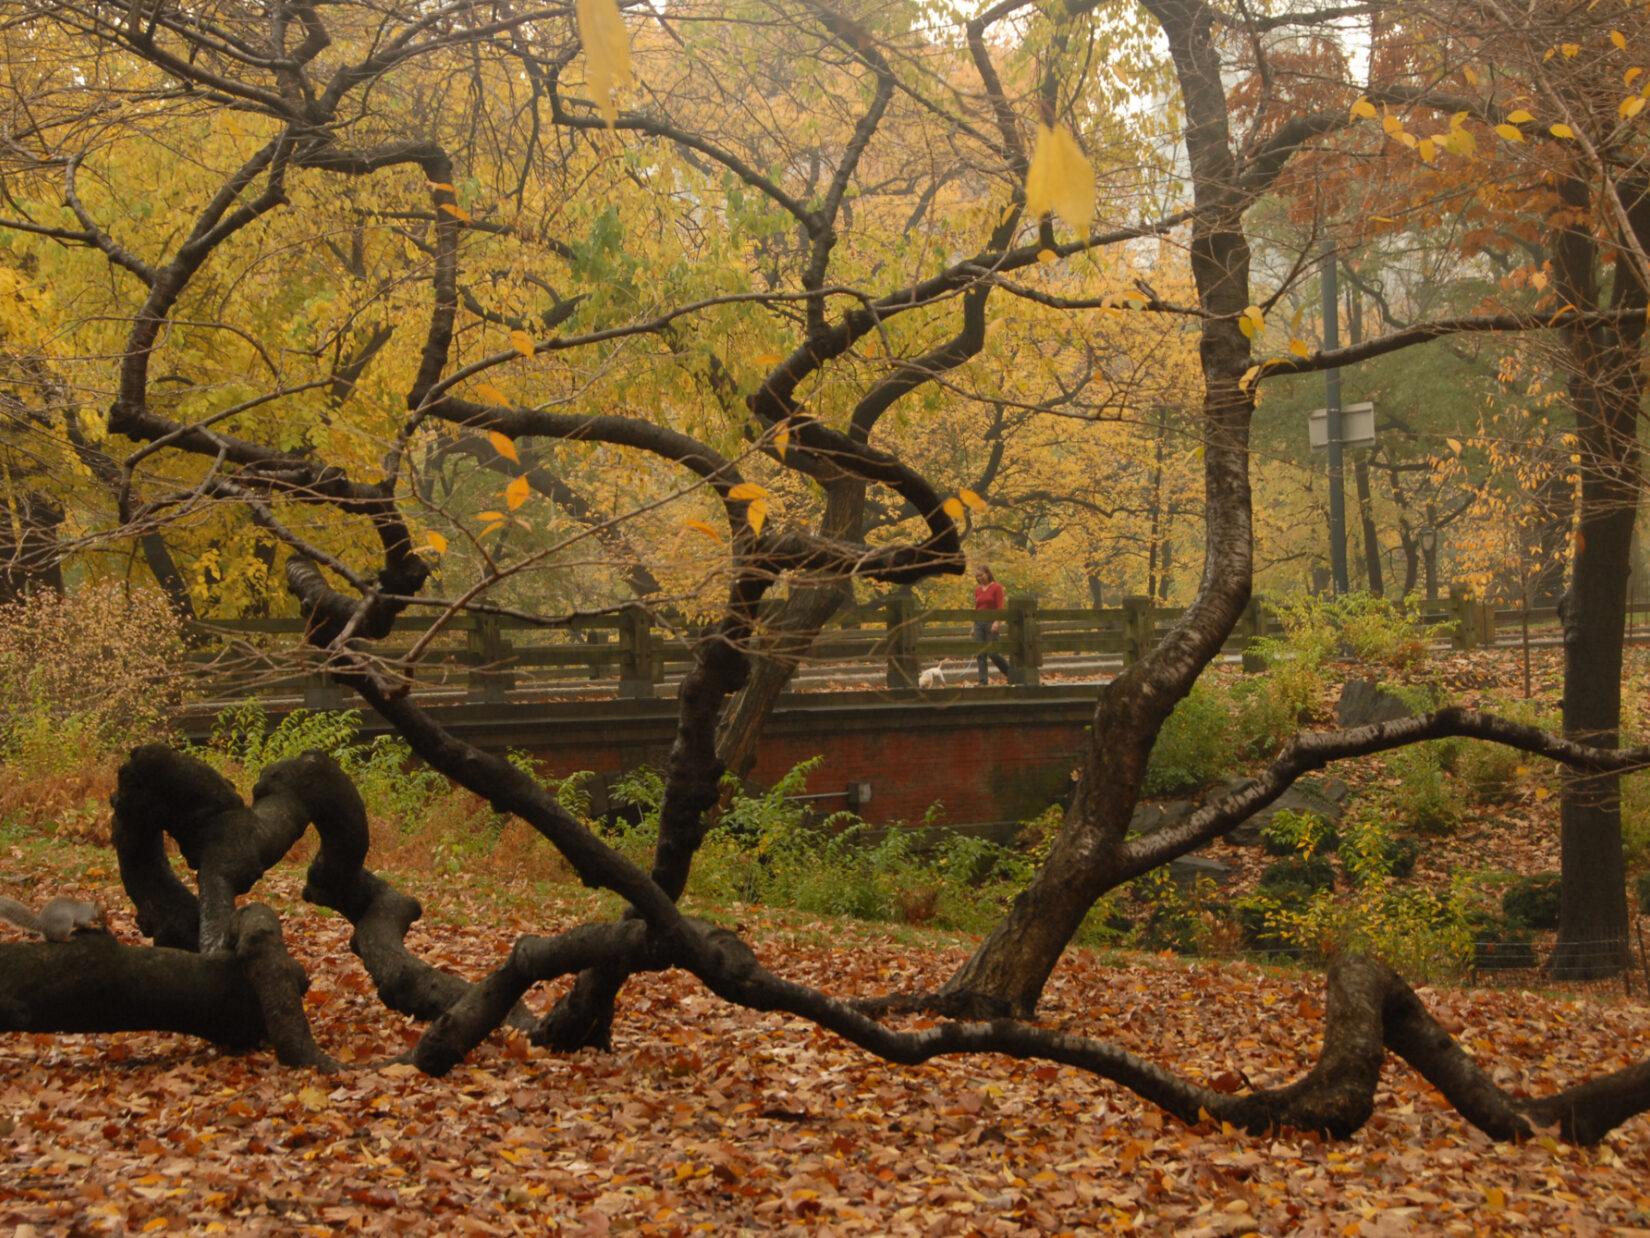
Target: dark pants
{"x": 982, "y": 633}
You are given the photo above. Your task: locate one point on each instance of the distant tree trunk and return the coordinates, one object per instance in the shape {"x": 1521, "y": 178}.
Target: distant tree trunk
{"x": 1372, "y": 539}
{"x": 31, "y": 557}
{"x": 1605, "y": 389}
{"x": 1360, "y": 467}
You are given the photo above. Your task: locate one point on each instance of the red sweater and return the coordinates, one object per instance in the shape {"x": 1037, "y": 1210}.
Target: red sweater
{"x": 988, "y": 597}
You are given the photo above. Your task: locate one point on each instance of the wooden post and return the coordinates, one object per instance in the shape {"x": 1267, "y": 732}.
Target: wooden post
{"x": 1252, "y": 627}
{"x": 639, "y": 670}
{"x": 1139, "y": 628}
{"x": 488, "y": 679}
{"x": 900, "y": 610}
{"x": 1025, "y": 647}
{"x": 1464, "y": 634}
{"x": 1486, "y": 624}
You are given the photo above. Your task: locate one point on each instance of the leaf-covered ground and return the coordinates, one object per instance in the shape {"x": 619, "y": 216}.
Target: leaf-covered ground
{"x": 717, "y": 1120}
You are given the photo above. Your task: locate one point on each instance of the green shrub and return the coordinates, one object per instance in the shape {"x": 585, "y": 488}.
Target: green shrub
{"x": 1424, "y": 800}
{"x": 1264, "y": 921}
{"x": 1533, "y": 901}
{"x": 242, "y": 736}
{"x": 1368, "y": 852}
{"x": 1298, "y": 875}
{"x": 1176, "y": 919}
{"x": 1298, "y": 833}
{"x": 1421, "y": 934}
{"x": 1194, "y": 748}
{"x": 1489, "y": 771}
{"x": 394, "y": 785}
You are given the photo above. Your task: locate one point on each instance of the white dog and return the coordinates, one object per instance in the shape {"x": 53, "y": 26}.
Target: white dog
{"x": 933, "y": 677}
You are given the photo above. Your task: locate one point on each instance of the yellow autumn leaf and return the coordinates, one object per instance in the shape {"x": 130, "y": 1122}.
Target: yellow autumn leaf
{"x": 973, "y": 500}
{"x": 1570, "y": 50}
{"x": 699, "y": 526}
{"x": 515, "y": 494}
{"x": 757, "y": 514}
{"x": 1248, "y": 379}
{"x": 1453, "y": 444}
{"x": 1561, "y": 131}
{"x": 747, "y": 490}
{"x": 952, "y": 508}
{"x": 489, "y": 515}
{"x": 456, "y": 211}
{"x": 1299, "y": 348}
{"x": 1428, "y": 150}
{"x": 522, "y": 343}
{"x": 1619, "y": 39}
{"x": 1630, "y": 107}
{"x": 436, "y": 543}
{"x": 1060, "y": 178}
{"x": 491, "y": 394}
{"x": 1519, "y": 117}
{"x": 492, "y": 528}
{"x": 1510, "y": 132}
{"x": 781, "y": 440}
{"x": 606, "y": 52}
{"x": 1046, "y": 256}
{"x": 768, "y": 358}
{"x": 1495, "y": 1199}
{"x": 504, "y": 445}
{"x": 312, "y": 1099}
{"x": 1364, "y": 108}
{"x": 440, "y": 187}
{"x": 1542, "y": 793}
{"x": 1391, "y": 123}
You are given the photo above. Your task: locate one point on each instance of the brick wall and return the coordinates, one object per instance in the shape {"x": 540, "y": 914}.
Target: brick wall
{"x": 983, "y": 760}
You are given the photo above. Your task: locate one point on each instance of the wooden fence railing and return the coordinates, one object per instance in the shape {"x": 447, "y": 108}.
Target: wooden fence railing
{"x": 488, "y": 657}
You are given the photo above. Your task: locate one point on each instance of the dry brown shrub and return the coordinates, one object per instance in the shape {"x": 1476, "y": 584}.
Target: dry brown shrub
{"x": 85, "y": 671}
{"x": 71, "y": 803}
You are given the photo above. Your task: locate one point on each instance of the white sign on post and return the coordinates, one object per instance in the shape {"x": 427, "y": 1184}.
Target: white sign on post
{"x": 1357, "y": 426}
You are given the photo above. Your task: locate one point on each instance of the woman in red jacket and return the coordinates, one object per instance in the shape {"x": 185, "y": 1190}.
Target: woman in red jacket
{"x": 988, "y": 595}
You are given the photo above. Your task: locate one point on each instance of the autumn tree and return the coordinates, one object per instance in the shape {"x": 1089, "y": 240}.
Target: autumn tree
{"x": 392, "y": 234}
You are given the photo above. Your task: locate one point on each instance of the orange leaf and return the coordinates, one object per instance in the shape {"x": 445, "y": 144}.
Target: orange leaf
{"x": 699, "y": 526}
{"x": 515, "y": 494}
{"x": 492, "y": 394}
{"x": 522, "y": 343}
{"x": 504, "y": 445}
{"x": 757, "y": 514}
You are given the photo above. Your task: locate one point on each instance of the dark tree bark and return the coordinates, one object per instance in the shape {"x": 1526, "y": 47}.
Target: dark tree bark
{"x": 31, "y": 557}
{"x": 230, "y": 846}
{"x": 238, "y": 998}
{"x": 1605, "y": 391}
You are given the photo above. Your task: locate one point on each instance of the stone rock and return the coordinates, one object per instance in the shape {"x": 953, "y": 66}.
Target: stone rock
{"x": 1364, "y": 701}
{"x": 1324, "y": 801}
{"x": 1188, "y": 869}
{"x": 1149, "y": 818}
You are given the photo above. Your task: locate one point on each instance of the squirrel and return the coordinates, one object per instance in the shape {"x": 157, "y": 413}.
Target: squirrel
{"x": 58, "y": 920}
